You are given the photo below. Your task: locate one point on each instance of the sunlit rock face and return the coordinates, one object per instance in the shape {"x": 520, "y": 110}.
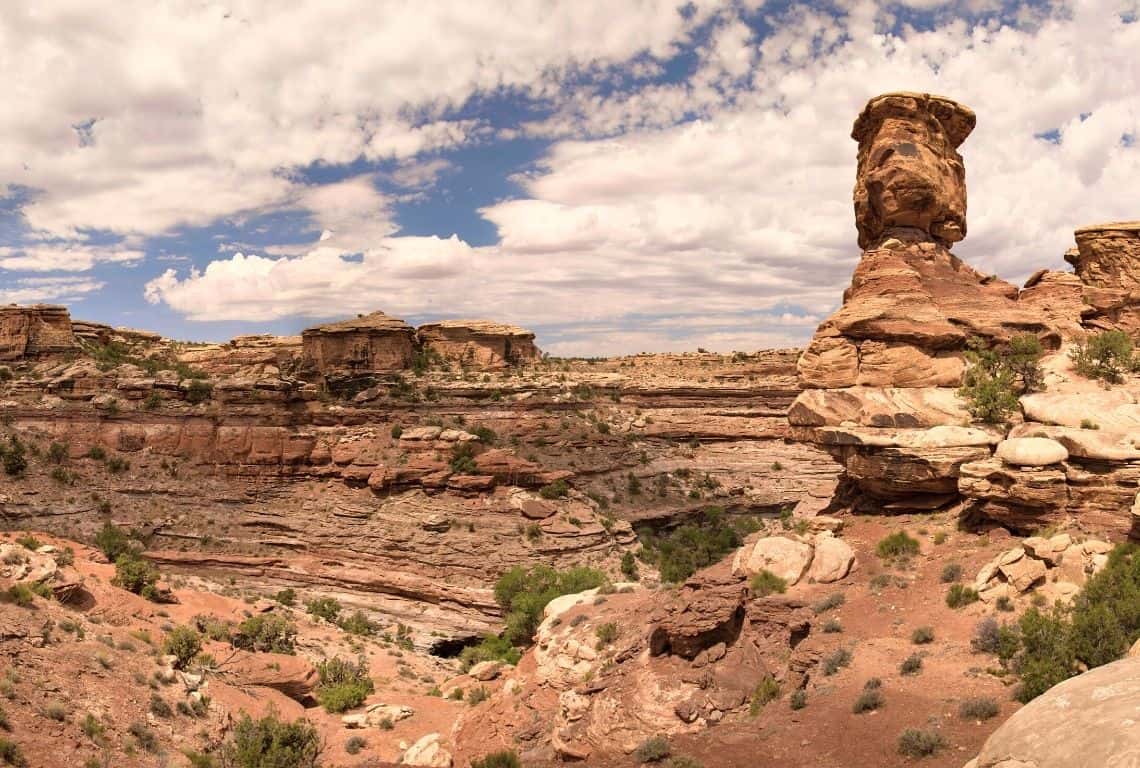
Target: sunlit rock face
{"x": 372, "y": 343}
{"x": 35, "y": 330}
{"x": 479, "y": 343}
{"x": 910, "y": 173}
{"x": 1107, "y": 261}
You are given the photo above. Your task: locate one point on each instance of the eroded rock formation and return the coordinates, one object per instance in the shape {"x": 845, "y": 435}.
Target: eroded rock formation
{"x": 372, "y": 343}
{"x": 33, "y": 331}
{"x": 1107, "y": 261}
{"x": 479, "y": 343}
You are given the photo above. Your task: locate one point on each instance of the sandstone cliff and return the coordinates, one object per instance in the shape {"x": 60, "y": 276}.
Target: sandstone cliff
{"x": 29, "y": 332}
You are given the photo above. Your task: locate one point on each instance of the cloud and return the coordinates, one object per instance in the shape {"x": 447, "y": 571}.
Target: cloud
{"x": 65, "y": 289}
{"x": 64, "y": 258}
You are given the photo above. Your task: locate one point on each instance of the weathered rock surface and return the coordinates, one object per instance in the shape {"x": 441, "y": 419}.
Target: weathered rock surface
{"x": 1086, "y": 720}
{"x": 1107, "y": 261}
{"x": 33, "y": 331}
{"x": 1031, "y": 451}
{"x": 480, "y": 343}
{"x": 373, "y": 343}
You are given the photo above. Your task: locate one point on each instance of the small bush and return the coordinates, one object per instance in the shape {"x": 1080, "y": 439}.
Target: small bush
{"x": 184, "y": 643}
{"x": 869, "y": 700}
{"x": 96, "y": 452}
{"x": 607, "y": 632}
{"x": 21, "y": 595}
{"x": 978, "y": 708}
{"x": 28, "y": 541}
{"x": 1004, "y": 604}
{"x": 834, "y": 600}
{"x": 498, "y": 760}
{"x": 922, "y": 635}
{"x": 556, "y": 490}
{"x": 477, "y": 695}
{"x": 912, "y": 665}
{"x": 144, "y": 736}
{"x": 271, "y": 743}
{"x": 159, "y": 707}
{"x": 960, "y": 596}
{"x": 995, "y": 377}
{"x": 524, "y": 592}
{"x": 767, "y": 583}
{"x": 357, "y": 624}
{"x": 327, "y": 608}
{"x": 652, "y": 750}
{"x": 15, "y": 462}
{"x": 1089, "y": 424}
{"x": 832, "y": 626}
{"x": 117, "y": 465}
{"x": 951, "y": 572}
{"x": 134, "y": 574}
{"x": 629, "y": 566}
{"x": 897, "y": 544}
{"x": 354, "y": 745}
{"x": 836, "y": 661}
{"x": 10, "y": 753}
{"x": 798, "y": 699}
{"x": 343, "y": 684}
{"x": 265, "y": 633}
{"x": 916, "y": 743}
{"x": 987, "y": 636}
{"x": 492, "y": 648}
{"x": 199, "y": 391}
{"x": 113, "y": 541}
{"x": 1106, "y": 356}
{"x": 766, "y": 691}
{"x": 286, "y": 597}
{"x": 57, "y": 453}
{"x": 92, "y": 728}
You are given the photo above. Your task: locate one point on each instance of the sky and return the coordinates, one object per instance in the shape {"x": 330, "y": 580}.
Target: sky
{"x": 643, "y": 175}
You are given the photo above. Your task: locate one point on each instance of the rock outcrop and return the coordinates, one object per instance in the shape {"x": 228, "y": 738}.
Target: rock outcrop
{"x": 1107, "y": 261}
{"x": 33, "y": 331}
{"x": 368, "y": 344}
{"x": 480, "y": 344}
{"x": 1086, "y": 720}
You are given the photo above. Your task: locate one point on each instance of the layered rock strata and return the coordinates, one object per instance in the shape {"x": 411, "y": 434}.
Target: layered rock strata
{"x": 33, "y": 331}
{"x": 479, "y": 343}
{"x": 372, "y": 343}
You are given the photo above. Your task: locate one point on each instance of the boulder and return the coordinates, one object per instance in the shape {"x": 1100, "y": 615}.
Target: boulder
{"x": 707, "y": 610}
{"x": 831, "y": 561}
{"x": 1031, "y": 451}
{"x": 784, "y": 557}
{"x": 293, "y": 676}
{"x": 427, "y": 751}
{"x": 1023, "y": 572}
{"x": 1088, "y": 720}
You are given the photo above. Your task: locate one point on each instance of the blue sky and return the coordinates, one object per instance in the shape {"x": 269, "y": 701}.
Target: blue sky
{"x": 649, "y": 175}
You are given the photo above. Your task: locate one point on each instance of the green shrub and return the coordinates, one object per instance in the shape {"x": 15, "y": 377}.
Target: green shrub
{"x": 30, "y": 542}
{"x": 996, "y": 376}
{"x": 265, "y": 633}
{"x": 15, "y": 462}
{"x": 492, "y": 648}
{"x": 117, "y": 465}
{"x": 357, "y": 624}
{"x": 556, "y": 490}
{"x": 271, "y": 743}
{"x": 607, "y": 633}
{"x": 1106, "y": 356}
{"x": 498, "y": 760}
{"x": 96, "y": 452}
{"x": 766, "y": 583}
{"x": 912, "y": 665}
{"x": 463, "y": 459}
{"x": 1089, "y": 424}
{"x": 57, "y": 452}
{"x": 987, "y": 636}
{"x": 159, "y": 707}
{"x": 836, "y": 661}
{"x": 10, "y": 753}
{"x": 327, "y": 608}
{"x": 834, "y": 600}
{"x": 960, "y": 595}
{"x": 681, "y": 552}
{"x": 922, "y": 635}
{"x": 134, "y": 574}
{"x": 978, "y": 708}
{"x": 21, "y": 595}
{"x": 951, "y": 572}
{"x": 870, "y": 699}
{"x": 916, "y": 743}
{"x": 1046, "y": 655}
{"x": 183, "y": 643}
{"x": 144, "y": 736}
{"x": 832, "y": 626}
{"x": 354, "y": 744}
{"x": 766, "y": 691}
{"x": 477, "y": 696}
{"x": 524, "y": 592}
{"x": 199, "y": 391}
{"x": 652, "y": 750}
{"x": 343, "y": 684}
{"x": 629, "y": 566}
{"x": 798, "y": 699}
{"x": 286, "y": 597}
{"x": 113, "y": 541}
{"x": 897, "y": 544}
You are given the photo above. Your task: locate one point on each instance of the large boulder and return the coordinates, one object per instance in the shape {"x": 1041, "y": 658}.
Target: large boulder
{"x": 427, "y": 751}
{"x": 1086, "y": 720}
{"x": 784, "y": 557}
{"x": 832, "y": 559}
{"x": 1031, "y": 451}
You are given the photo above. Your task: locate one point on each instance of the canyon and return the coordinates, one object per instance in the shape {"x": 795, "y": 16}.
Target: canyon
{"x": 403, "y": 471}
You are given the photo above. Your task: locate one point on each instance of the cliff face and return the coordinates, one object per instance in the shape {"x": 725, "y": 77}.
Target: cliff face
{"x": 34, "y": 331}
{"x": 479, "y": 343}
{"x": 373, "y": 343}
